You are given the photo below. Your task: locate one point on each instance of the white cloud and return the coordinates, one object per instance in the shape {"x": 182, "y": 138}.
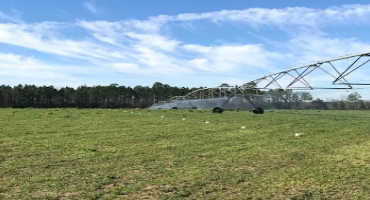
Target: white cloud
{"x": 126, "y": 67}
{"x": 109, "y": 32}
{"x": 145, "y": 49}
{"x": 154, "y": 40}
{"x": 223, "y": 57}
{"x": 310, "y": 48}
{"x": 227, "y": 58}
{"x": 40, "y": 37}
{"x": 20, "y": 69}
{"x": 265, "y": 16}
{"x": 90, "y": 6}
{"x": 148, "y": 47}
{"x": 156, "y": 62}
{"x": 119, "y": 31}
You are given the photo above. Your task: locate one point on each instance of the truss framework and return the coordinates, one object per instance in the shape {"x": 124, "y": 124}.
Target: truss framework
{"x": 289, "y": 79}
{"x": 299, "y": 74}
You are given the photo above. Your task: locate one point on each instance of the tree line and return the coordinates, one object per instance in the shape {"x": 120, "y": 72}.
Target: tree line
{"x": 304, "y": 100}
{"x": 116, "y": 96}
{"x": 112, "y": 96}
{"x": 319, "y": 104}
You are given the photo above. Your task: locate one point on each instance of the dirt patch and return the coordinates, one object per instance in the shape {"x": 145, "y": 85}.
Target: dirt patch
{"x": 69, "y": 195}
{"x": 150, "y": 192}
{"x": 108, "y": 187}
{"x": 40, "y": 194}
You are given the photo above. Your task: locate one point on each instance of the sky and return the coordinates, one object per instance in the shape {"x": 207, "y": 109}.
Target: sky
{"x": 188, "y": 43}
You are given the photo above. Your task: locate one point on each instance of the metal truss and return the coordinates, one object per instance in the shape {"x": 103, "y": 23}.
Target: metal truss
{"x": 295, "y": 78}
{"x": 215, "y": 92}
{"x": 220, "y": 92}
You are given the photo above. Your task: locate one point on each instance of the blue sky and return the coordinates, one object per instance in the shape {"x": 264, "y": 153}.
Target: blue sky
{"x": 183, "y": 43}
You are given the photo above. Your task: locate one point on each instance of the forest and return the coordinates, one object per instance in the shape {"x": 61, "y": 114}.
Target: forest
{"x": 112, "y": 96}
{"x": 116, "y": 96}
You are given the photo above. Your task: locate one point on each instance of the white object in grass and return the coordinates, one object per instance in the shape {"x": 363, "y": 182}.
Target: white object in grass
{"x": 183, "y": 119}
{"x": 243, "y": 127}
{"x": 207, "y": 122}
{"x": 298, "y": 134}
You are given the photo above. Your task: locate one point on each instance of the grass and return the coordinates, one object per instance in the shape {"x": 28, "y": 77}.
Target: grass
{"x": 144, "y": 154}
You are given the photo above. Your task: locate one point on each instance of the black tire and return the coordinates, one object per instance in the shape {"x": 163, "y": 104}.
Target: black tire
{"x": 217, "y": 110}
{"x": 258, "y": 110}
{"x": 174, "y": 108}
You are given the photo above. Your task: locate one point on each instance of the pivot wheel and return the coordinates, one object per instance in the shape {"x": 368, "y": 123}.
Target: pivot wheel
{"x": 217, "y": 110}
{"x": 258, "y": 110}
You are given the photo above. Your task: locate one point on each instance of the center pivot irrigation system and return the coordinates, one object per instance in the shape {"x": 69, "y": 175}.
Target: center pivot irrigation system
{"x": 333, "y": 74}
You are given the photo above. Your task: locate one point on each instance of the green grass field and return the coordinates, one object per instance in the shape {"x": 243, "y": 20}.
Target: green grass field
{"x": 175, "y": 154}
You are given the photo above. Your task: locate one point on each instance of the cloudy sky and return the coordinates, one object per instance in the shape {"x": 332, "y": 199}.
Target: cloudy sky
{"x": 183, "y": 43}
